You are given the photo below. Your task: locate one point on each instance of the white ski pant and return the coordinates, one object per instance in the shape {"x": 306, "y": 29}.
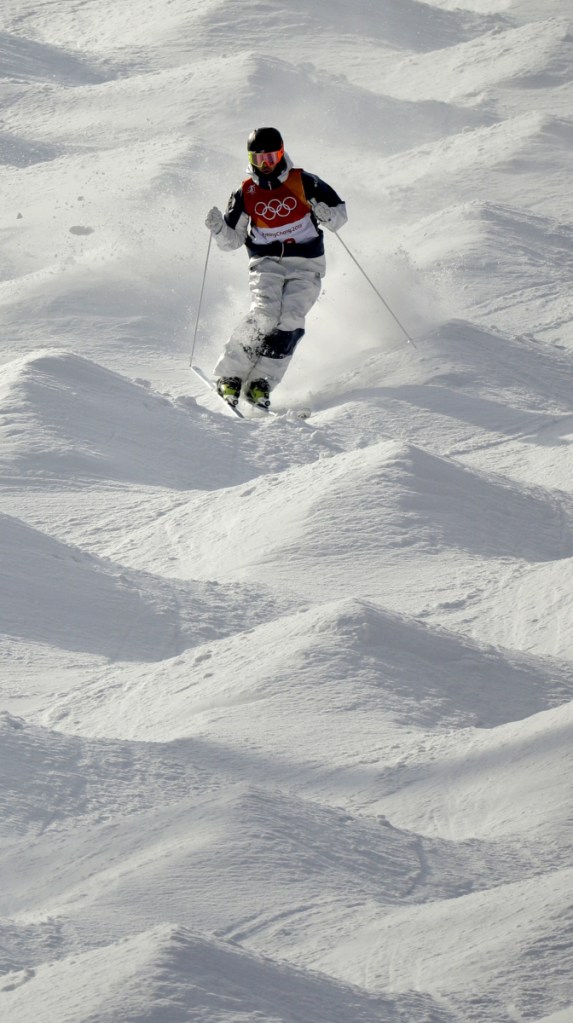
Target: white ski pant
{"x": 282, "y": 293}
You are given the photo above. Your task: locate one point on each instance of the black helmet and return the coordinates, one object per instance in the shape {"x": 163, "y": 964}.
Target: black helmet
{"x": 264, "y": 140}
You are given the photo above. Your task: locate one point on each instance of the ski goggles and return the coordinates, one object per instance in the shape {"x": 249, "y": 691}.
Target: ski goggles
{"x": 268, "y": 160}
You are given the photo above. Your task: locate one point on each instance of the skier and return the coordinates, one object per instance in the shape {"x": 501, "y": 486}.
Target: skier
{"x": 277, "y": 213}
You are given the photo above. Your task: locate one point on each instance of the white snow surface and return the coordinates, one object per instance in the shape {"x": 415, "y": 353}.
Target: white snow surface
{"x": 286, "y": 721}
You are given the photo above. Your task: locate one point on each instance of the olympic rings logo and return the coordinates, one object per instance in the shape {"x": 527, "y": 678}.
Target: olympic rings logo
{"x": 275, "y": 208}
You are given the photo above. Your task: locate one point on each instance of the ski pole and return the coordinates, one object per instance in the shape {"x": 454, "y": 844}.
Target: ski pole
{"x": 200, "y": 301}
{"x": 373, "y": 286}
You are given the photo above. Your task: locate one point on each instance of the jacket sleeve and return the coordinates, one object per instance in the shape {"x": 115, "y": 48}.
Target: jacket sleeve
{"x": 317, "y": 190}
{"x": 233, "y": 233}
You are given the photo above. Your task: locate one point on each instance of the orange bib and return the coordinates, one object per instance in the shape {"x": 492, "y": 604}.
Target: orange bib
{"x": 282, "y": 214}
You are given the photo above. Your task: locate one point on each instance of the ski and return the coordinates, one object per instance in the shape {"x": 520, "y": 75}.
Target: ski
{"x": 211, "y": 385}
{"x": 289, "y": 413}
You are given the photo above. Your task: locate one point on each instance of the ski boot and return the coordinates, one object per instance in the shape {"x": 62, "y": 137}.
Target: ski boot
{"x": 258, "y": 394}
{"x": 230, "y": 389}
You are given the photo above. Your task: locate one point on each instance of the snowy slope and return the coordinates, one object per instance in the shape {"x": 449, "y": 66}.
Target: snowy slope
{"x": 170, "y": 973}
{"x": 286, "y": 706}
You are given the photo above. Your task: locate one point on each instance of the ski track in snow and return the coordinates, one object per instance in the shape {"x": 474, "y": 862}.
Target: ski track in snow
{"x": 286, "y": 720}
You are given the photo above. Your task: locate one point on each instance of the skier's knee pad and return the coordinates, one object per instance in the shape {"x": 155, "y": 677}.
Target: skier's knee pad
{"x": 279, "y": 344}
